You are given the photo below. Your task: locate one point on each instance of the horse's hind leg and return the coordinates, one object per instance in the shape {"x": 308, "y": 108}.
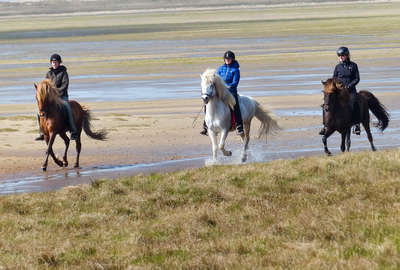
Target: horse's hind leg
{"x": 78, "y": 150}
{"x": 343, "y": 145}
{"x": 245, "y": 139}
{"x": 348, "y": 140}
{"x": 221, "y": 145}
{"x": 66, "y": 141}
{"x": 368, "y": 130}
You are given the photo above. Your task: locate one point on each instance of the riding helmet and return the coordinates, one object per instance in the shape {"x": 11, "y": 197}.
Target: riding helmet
{"x": 55, "y": 57}
{"x": 229, "y": 55}
{"x": 343, "y": 51}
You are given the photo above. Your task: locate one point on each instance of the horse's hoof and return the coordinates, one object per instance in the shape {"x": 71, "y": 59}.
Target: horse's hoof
{"x": 44, "y": 169}
{"x": 76, "y": 166}
{"x": 65, "y": 164}
{"x": 328, "y": 153}
{"x": 228, "y": 153}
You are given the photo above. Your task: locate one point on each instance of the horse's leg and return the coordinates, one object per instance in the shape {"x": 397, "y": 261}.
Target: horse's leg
{"x": 222, "y": 140}
{"x": 342, "y": 145}
{"x": 348, "y": 140}
{"x": 66, "y": 141}
{"x": 368, "y": 130}
{"x": 325, "y": 139}
{"x": 213, "y": 138}
{"x": 245, "y": 139}
{"x": 78, "y": 149}
{"x": 50, "y": 141}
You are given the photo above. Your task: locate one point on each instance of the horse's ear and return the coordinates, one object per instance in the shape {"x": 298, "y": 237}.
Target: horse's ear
{"x": 323, "y": 82}
{"x": 35, "y": 85}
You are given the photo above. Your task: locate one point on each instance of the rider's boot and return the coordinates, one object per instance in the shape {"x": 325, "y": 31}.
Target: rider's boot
{"x": 357, "y": 129}
{"x": 41, "y": 136}
{"x": 238, "y": 116}
{"x": 74, "y": 132}
{"x": 204, "y": 131}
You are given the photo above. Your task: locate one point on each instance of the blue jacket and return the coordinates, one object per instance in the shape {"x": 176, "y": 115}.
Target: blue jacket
{"x": 347, "y": 73}
{"x": 231, "y": 75}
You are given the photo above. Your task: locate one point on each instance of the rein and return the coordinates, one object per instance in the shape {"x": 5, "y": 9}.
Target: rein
{"x": 197, "y": 116}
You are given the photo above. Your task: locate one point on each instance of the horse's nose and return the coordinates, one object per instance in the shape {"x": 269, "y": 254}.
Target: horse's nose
{"x": 205, "y": 98}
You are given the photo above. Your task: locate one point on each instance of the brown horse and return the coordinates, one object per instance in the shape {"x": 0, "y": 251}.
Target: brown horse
{"x": 53, "y": 121}
{"x": 338, "y": 115}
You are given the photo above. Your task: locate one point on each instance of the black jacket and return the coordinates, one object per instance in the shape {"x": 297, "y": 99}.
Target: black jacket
{"x": 347, "y": 73}
{"x": 59, "y": 78}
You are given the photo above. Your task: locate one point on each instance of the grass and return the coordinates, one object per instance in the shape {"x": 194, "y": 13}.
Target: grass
{"x": 309, "y": 213}
{"x": 8, "y": 130}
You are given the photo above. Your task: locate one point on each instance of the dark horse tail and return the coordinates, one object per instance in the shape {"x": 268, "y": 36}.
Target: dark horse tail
{"x": 99, "y": 135}
{"x": 378, "y": 109}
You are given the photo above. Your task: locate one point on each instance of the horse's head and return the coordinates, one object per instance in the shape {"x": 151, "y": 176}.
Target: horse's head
{"x": 334, "y": 91}
{"x": 212, "y": 85}
{"x": 46, "y": 95}
{"x": 208, "y": 85}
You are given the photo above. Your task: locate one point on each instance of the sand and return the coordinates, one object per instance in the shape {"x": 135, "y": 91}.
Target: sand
{"x": 150, "y": 131}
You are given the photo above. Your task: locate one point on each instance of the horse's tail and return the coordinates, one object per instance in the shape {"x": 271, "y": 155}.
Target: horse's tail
{"x": 98, "y": 135}
{"x": 378, "y": 109}
{"x": 268, "y": 123}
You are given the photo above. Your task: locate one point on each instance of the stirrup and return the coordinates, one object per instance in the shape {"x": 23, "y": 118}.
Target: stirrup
{"x": 40, "y": 138}
{"x": 357, "y": 130}
{"x": 74, "y": 135}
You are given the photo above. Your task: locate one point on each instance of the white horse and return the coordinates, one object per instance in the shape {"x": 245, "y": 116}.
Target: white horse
{"x": 219, "y": 101}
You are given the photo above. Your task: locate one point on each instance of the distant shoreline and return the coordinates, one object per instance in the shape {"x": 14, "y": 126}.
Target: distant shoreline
{"x": 17, "y": 8}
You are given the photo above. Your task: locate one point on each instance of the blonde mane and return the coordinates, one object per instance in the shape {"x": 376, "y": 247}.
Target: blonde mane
{"x": 48, "y": 93}
{"x": 334, "y": 85}
{"x": 210, "y": 76}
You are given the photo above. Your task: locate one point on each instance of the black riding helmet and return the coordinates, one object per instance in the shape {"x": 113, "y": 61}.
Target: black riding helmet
{"x": 55, "y": 57}
{"x": 343, "y": 51}
{"x": 229, "y": 55}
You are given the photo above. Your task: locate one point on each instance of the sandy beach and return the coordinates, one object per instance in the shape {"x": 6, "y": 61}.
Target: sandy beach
{"x": 139, "y": 75}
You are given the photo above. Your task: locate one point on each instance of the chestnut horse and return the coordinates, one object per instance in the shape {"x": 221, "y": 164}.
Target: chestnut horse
{"x": 53, "y": 121}
{"x": 338, "y": 116}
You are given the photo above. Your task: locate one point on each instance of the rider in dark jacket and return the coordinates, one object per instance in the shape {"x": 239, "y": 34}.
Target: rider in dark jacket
{"x": 230, "y": 73}
{"x": 59, "y": 77}
{"x": 347, "y": 72}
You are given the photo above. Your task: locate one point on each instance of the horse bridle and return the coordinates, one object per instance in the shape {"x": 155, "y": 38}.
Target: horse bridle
{"x": 207, "y": 96}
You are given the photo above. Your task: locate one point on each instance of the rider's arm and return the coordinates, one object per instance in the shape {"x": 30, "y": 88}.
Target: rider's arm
{"x": 335, "y": 72}
{"x": 64, "y": 85}
{"x": 235, "y": 79}
{"x": 356, "y": 79}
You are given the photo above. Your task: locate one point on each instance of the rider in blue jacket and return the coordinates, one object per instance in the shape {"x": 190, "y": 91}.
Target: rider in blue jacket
{"x": 230, "y": 73}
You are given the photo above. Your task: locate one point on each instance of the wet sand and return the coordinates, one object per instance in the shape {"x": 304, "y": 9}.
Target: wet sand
{"x": 140, "y": 78}
{"x": 143, "y": 139}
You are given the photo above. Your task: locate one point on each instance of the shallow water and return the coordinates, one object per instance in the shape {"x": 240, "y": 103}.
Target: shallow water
{"x": 128, "y": 88}
{"x": 283, "y": 147}
{"x": 186, "y": 84}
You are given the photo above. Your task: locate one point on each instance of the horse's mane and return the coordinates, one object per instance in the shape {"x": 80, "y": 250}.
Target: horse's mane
{"x": 335, "y": 86}
{"x": 210, "y": 76}
{"x": 48, "y": 93}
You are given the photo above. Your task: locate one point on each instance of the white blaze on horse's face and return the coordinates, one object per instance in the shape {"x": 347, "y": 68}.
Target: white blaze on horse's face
{"x": 207, "y": 91}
